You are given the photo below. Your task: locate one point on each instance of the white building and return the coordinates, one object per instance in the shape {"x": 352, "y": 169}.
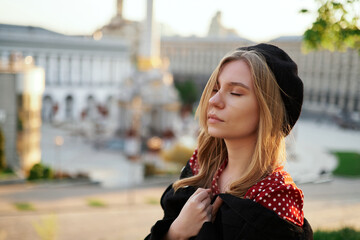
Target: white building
{"x": 195, "y": 58}
{"x": 331, "y": 79}
{"x": 84, "y": 77}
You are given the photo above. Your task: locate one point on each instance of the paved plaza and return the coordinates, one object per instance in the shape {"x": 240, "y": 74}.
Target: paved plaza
{"x": 79, "y": 154}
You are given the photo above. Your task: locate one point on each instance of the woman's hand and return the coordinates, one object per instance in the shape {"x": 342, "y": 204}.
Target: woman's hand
{"x": 196, "y": 211}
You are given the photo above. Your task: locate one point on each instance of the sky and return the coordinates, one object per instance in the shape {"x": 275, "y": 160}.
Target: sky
{"x": 256, "y": 20}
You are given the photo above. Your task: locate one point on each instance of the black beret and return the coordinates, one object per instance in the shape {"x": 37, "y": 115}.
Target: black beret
{"x": 286, "y": 74}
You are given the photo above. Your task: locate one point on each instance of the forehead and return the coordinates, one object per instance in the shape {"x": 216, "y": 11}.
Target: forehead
{"x": 236, "y": 71}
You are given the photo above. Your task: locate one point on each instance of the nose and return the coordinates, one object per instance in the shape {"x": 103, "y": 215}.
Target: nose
{"x": 216, "y": 100}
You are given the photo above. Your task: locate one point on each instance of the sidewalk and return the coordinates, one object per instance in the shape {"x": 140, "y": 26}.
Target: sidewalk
{"x": 64, "y": 209}
{"x": 332, "y": 205}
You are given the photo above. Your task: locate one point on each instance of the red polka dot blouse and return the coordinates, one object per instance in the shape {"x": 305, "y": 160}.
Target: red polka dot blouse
{"x": 276, "y": 192}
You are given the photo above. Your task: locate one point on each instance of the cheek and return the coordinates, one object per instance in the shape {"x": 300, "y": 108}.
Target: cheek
{"x": 255, "y": 119}
{"x": 255, "y": 115}
{"x": 256, "y": 112}
{"x": 248, "y": 116}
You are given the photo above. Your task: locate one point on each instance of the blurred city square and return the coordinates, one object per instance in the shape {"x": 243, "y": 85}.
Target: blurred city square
{"x": 128, "y": 207}
{"x": 94, "y": 127}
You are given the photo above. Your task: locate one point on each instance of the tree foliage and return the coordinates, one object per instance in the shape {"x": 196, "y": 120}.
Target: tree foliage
{"x": 188, "y": 92}
{"x": 337, "y": 26}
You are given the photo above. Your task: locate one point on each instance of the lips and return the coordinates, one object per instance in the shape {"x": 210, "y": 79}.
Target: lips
{"x": 212, "y": 118}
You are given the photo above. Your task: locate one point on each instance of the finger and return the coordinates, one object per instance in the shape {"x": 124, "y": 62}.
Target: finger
{"x": 198, "y": 191}
{"x": 206, "y": 202}
{"x": 209, "y": 212}
{"x": 215, "y": 207}
{"x": 210, "y": 193}
{"x": 209, "y": 209}
{"x": 208, "y": 190}
{"x": 201, "y": 195}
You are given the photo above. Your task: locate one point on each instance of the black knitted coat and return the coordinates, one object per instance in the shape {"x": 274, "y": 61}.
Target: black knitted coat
{"x": 236, "y": 219}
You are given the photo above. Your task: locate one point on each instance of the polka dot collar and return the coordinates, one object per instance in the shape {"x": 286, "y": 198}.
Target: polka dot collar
{"x": 276, "y": 192}
{"x": 214, "y": 183}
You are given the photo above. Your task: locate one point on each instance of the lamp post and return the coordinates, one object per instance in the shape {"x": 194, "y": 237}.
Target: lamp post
{"x": 59, "y": 141}
{"x": 2, "y": 140}
{"x": 2, "y": 116}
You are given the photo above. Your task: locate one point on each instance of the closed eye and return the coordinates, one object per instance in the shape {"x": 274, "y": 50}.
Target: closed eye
{"x": 236, "y": 94}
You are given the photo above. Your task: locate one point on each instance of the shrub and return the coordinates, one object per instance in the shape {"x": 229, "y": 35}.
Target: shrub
{"x": 341, "y": 234}
{"x": 24, "y": 206}
{"x": 48, "y": 173}
{"x": 2, "y": 151}
{"x": 96, "y": 203}
{"x": 150, "y": 169}
{"x": 348, "y": 164}
{"x": 40, "y": 171}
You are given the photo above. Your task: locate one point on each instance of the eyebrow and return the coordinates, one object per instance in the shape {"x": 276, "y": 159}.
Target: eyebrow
{"x": 239, "y": 84}
{"x": 236, "y": 84}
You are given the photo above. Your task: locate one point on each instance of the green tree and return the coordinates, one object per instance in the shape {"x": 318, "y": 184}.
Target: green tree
{"x": 336, "y": 27}
{"x": 188, "y": 92}
{"x": 2, "y": 151}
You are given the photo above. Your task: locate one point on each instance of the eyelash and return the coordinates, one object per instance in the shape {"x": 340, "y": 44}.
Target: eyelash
{"x": 235, "y": 94}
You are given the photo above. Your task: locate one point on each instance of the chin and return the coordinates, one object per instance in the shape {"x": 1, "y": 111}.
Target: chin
{"x": 215, "y": 133}
{"x": 228, "y": 134}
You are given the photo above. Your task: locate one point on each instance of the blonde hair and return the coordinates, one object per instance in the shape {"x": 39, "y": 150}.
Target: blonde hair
{"x": 269, "y": 150}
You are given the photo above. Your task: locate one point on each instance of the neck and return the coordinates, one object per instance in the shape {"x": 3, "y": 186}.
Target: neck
{"x": 240, "y": 152}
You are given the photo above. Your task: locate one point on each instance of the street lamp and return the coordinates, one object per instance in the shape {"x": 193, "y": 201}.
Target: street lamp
{"x": 2, "y": 116}
{"x": 59, "y": 141}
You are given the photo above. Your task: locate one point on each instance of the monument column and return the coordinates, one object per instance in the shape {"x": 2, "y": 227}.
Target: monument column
{"x": 119, "y": 8}
{"x": 149, "y": 56}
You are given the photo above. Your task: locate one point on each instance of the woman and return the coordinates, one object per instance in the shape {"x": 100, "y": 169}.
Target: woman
{"x": 234, "y": 186}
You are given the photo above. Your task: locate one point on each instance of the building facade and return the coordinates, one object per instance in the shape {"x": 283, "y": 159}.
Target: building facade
{"x": 194, "y": 58}
{"x": 84, "y": 76}
{"x": 331, "y": 79}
